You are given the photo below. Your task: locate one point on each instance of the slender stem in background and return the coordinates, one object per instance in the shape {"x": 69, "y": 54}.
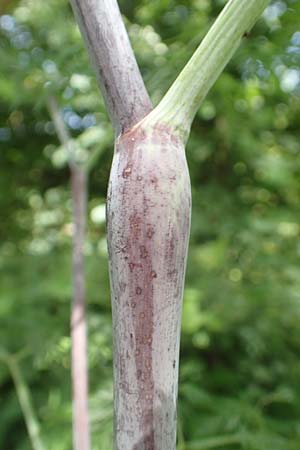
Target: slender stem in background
{"x": 120, "y": 81}
{"x": 78, "y": 317}
{"x": 180, "y": 104}
{"x": 23, "y": 394}
{"x": 81, "y": 431}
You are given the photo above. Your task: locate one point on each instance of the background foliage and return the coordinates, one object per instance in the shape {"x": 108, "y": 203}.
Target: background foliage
{"x": 240, "y": 355}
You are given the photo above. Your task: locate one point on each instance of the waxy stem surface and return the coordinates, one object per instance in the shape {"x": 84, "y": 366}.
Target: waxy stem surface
{"x": 148, "y": 221}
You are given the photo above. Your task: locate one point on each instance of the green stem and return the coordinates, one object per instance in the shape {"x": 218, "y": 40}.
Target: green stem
{"x": 25, "y": 403}
{"x": 180, "y": 104}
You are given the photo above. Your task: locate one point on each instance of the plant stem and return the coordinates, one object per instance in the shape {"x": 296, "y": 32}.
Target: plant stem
{"x": 81, "y": 431}
{"x": 118, "y": 74}
{"x": 25, "y": 403}
{"x": 180, "y": 104}
{"x": 148, "y": 225}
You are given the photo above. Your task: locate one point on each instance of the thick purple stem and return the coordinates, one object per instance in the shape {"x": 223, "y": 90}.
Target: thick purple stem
{"x": 148, "y": 214}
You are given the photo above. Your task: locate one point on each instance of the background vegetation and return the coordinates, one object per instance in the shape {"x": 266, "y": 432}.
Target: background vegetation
{"x": 240, "y": 354}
